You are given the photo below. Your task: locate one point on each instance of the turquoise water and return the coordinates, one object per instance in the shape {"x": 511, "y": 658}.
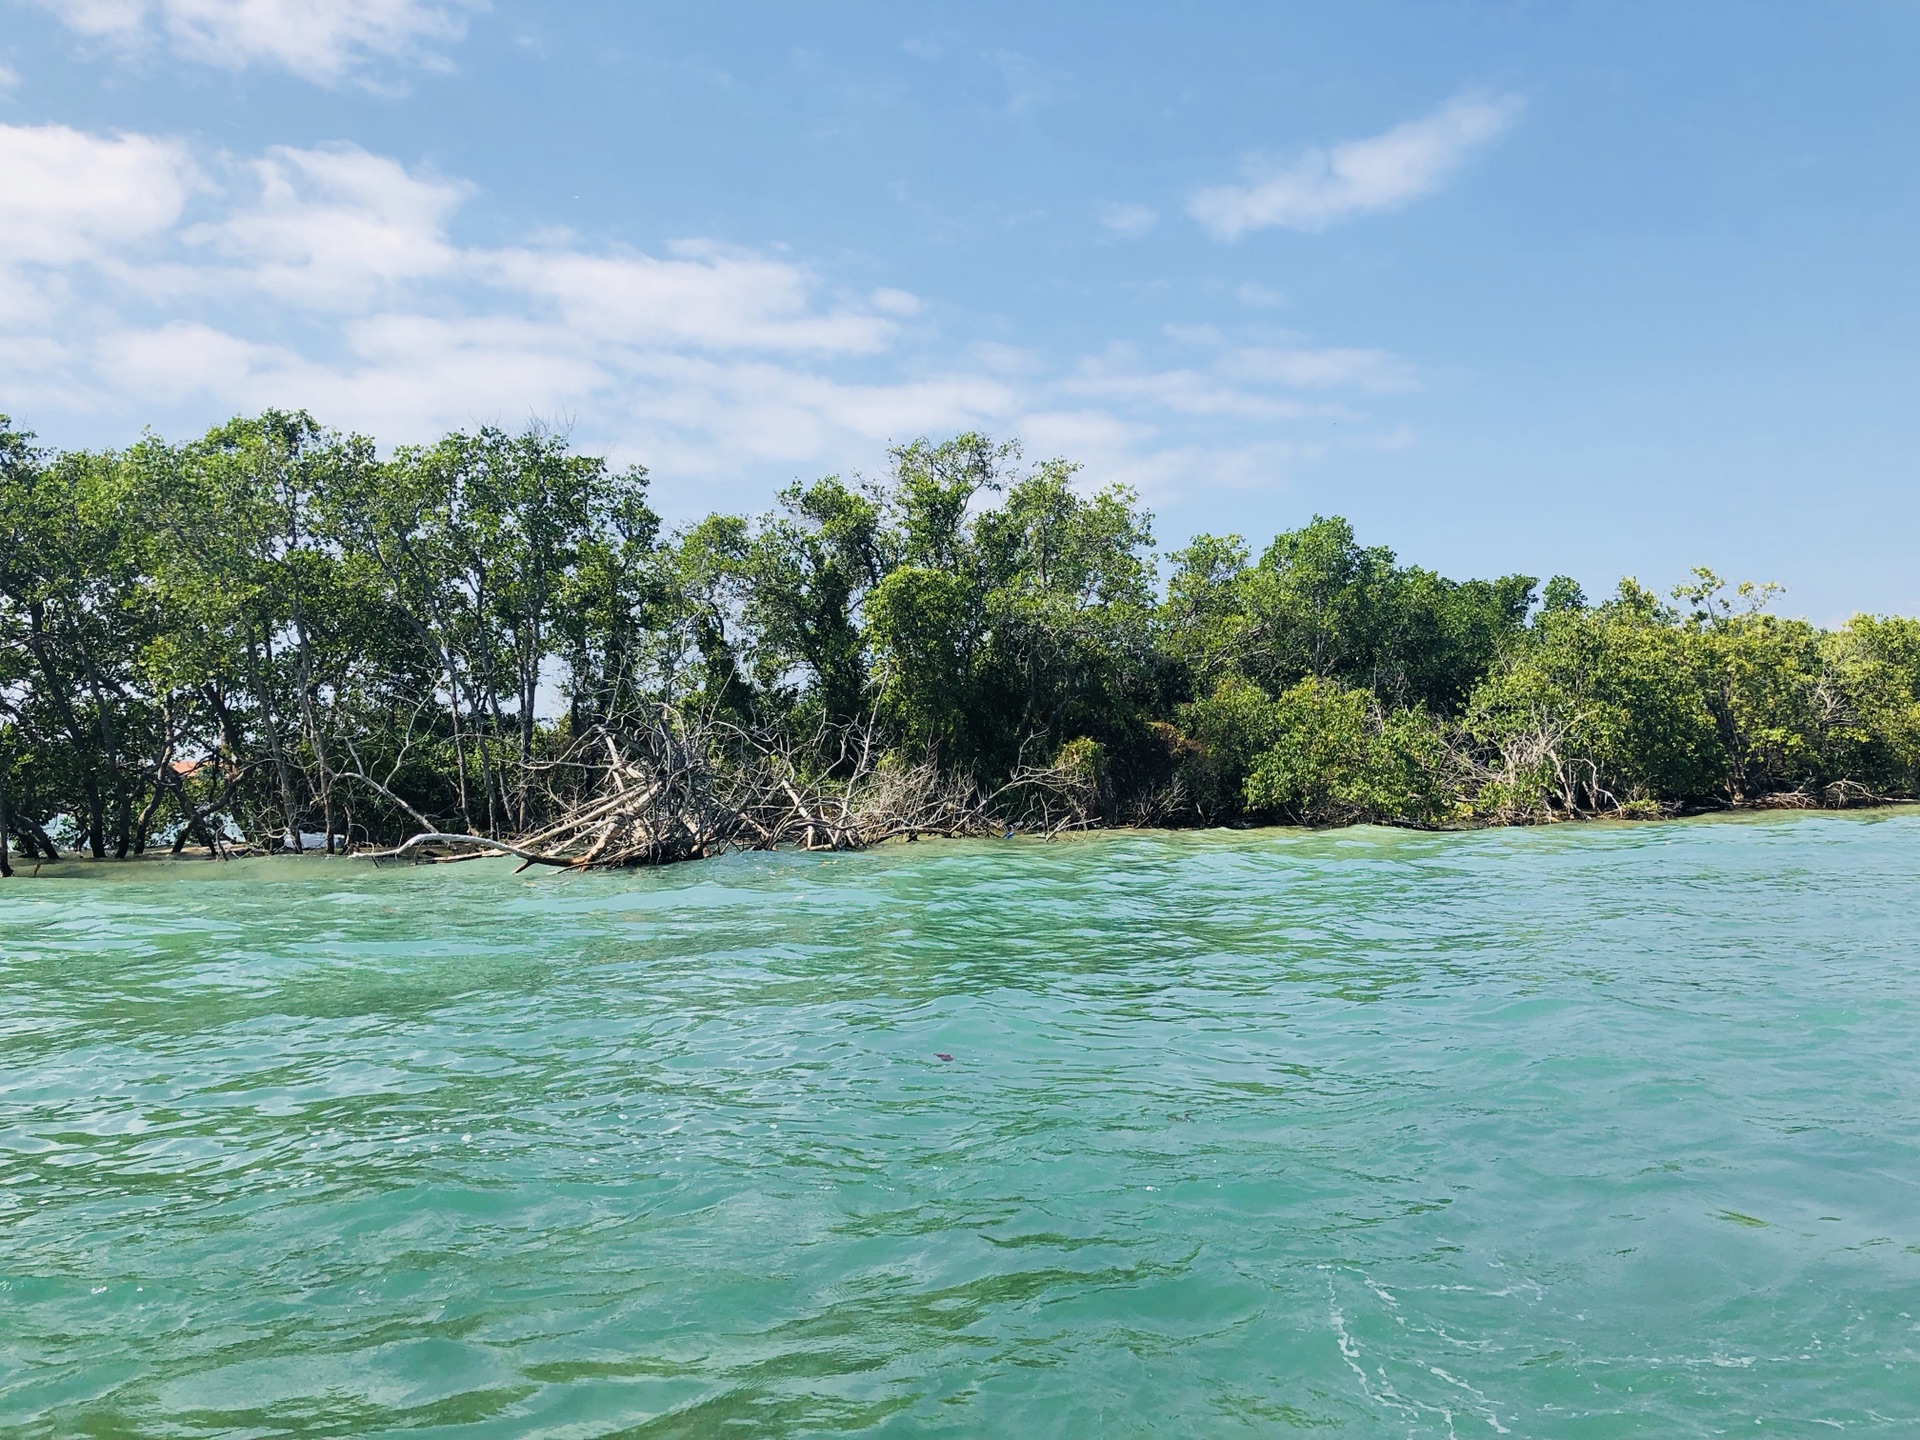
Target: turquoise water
{"x": 1584, "y": 1131}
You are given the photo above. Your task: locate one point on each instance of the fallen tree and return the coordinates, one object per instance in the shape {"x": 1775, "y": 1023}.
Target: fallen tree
{"x": 681, "y": 786}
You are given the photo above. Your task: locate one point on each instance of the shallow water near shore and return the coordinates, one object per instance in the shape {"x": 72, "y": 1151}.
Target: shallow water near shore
{"x": 1600, "y": 1130}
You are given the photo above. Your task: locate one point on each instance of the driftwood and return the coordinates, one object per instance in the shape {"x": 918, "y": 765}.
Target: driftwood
{"x": 676, "y": 786}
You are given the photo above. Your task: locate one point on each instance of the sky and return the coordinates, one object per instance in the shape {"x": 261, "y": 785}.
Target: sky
{"x": 1594, "y": 289}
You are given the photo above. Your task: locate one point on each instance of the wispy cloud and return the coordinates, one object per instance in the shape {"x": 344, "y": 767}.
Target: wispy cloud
{"x": 1322, "y": 187}
{"x": 321, "y": 40}
{"x": 1306, "y": 368}
{"x": 133, "y": 273}
{"x": 334, "y": 226}
{"x": 1248, "y": 382}
{"x": 1029, "y": 84}
{"x": 702, "y": 295}
{"x": 1129, "y": 219}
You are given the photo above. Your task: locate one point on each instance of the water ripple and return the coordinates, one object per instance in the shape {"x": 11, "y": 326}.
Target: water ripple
{"x": 1599, "y": 1130}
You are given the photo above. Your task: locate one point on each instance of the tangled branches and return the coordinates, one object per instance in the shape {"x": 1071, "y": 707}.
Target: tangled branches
{"x": 681, "y": 786}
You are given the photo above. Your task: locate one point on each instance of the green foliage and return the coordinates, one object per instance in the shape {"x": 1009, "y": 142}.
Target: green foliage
{"x": 984, "y": 625}
{"x": 1615, "y": 691}
{"x": 1319, "y": 753}
{"x": 1562, "y": 593}
{"x": 1339, "y": 760}
{"x": 272, "y": 630}
{"x": 1318, "y": 604}
{"x": 925, "y": 630}
{"x": 1871, "y": 703}
{"x": 1225, "y": 735}
{"x": 807, "y": 573}
{"x": 1204, "y": 618}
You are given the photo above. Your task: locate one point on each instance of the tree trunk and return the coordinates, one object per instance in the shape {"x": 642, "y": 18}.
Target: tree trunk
{"x": 312, "y": 722}
{"x": 459, "y": 748}
{"x": 496, "y": 785}
{"x": 32, "y": 827}
{"x": 96, "y": 819}
{"x": 6, "y": 830}
{"x": 110, "y": 745}
{"x": 529, "y": 688}
{"x": 144, "y": 825}
{"x": 122, "y": 816}
{"x": 63, "y": 703}
{"x": 274, "y": 747}
{"x": 196, "y": 823}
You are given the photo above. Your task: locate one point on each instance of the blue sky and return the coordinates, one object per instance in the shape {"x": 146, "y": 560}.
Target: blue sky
{"x": 1585, "y": 288}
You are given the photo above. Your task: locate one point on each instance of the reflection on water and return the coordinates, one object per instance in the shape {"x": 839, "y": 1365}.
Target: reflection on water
{"x": 1593, "y": 1131}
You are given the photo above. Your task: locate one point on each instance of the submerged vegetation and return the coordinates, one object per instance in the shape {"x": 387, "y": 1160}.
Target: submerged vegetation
{"x": 273, "y": 636}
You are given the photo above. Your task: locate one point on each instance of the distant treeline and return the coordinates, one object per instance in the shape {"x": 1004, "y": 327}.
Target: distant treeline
{"x": 272, "y": 631}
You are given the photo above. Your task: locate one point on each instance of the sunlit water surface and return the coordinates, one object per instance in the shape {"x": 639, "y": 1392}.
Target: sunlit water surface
{"x": 1586, "y": 1131}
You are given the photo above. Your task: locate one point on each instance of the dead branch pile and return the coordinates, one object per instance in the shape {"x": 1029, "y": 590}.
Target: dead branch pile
{"x": 686, "y": 787}
{"x": 1531, "y": 773}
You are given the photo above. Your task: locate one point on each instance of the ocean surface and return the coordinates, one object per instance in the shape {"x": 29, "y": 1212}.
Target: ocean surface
{"x": 1602, "y": 1130}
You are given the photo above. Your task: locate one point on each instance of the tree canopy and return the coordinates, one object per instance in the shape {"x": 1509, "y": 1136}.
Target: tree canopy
{"x": 273, "y": 633}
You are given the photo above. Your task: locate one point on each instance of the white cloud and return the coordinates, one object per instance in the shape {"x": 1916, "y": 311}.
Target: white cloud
{"x": 172, "y": 362}
{"x": 321, "y": 40}
{"x": 9, "y": 77}
{"x": 66, "y": 195}
{"x": 700, "y": 353}
{"x": 138, "y": 285}
{"x": 1129, "y": 219}
{"x": 704, "y": 296}
{"x": 1322, "y": 187}
{"x": 99, "y": 18}
{"x": 1082, "y": 432}
{"x": 1374, "y": 371}
{"x": 336, "y": 225}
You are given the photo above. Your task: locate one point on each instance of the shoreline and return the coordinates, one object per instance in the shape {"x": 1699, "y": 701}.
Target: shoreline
{"x": 72, "y": 864}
